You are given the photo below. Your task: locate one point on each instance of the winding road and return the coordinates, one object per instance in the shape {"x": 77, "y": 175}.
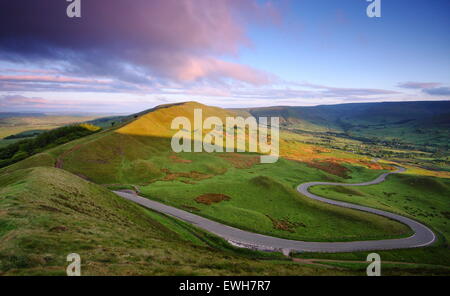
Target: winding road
{"x": 423, "y": 236}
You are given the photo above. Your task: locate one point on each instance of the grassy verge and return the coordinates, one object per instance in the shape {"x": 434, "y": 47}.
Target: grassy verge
{"x": 392, "y": 269}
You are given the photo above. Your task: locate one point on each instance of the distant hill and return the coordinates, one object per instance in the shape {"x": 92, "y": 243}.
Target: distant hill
{"x": 20, "y": 114}
{"x": 411, "y": 122}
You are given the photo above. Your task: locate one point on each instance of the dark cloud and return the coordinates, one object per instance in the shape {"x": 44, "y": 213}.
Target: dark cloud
{"x": 418, "y": 85}
{"x": 136, "y": 41}
{"x": 292, "y": 91}
{"x": 430, "y": 88}
{"x": 438, "y": 91}
{"x": 330, "y": 91}
{"x": 345, "y": 92}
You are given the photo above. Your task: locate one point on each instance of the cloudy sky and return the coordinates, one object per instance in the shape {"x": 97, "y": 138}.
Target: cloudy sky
{"x": 125, "y": 56}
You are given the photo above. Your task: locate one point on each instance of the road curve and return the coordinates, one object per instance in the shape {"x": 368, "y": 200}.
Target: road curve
{"x": 422, "y": 236}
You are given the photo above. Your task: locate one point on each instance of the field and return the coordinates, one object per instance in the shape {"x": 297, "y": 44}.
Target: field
{"x": 14, "y": 125}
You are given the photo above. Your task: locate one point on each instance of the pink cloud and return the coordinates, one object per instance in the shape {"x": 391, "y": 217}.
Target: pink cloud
{"x": 35, "y": 71}
{"x": 169, "y": 40}
{"x": 195, "y": 68}
{"x": 17, "y": 100}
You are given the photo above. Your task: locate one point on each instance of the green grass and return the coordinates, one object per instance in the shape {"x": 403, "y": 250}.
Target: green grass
{"x": 422, "y": 198}
{"x": 392, "y": 269}
{"x": 47, "y": 213}
{"x": 266, "y": 192}
{"x": 37, "y": 160}
{"x": 416, "y": 123}
{"x": 434, "y": 255}
{"x": 44, "y": 141}
{"x": 123, "y": 160}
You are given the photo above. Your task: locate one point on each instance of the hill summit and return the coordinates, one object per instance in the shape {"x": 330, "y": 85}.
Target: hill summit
{"x": 156, "y": 122}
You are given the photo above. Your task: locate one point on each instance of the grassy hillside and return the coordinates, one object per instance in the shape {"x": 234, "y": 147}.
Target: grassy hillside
{"x": 47, "y": 213}
{"x": 425, "y": 199}
{"x": 156, "y": 122}
{"x": 422, "y": 123}
{"x": 263, "y": 194}
{"x": 21, "y": 125}
{"x": 41, "y": 206}
{"x": 46, "y": 140}
{"x": 416, "y": 133}
{"x": 262, "y": 198}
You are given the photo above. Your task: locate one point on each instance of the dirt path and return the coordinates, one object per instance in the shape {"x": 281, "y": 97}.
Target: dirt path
{"x": 59, "y": 163}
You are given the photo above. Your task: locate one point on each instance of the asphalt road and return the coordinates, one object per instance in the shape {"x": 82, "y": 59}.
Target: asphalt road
{"x": 422, "y": 236}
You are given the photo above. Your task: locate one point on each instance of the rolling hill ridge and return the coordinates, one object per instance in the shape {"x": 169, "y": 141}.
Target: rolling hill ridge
{"x": 424, "y": 123}
{"x": 232, "y": 188}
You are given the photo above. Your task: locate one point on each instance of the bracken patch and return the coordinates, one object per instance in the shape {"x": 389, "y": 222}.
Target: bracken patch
{"x": 170, "y": 176}
{"x": 285, "y": 224}
{"x": 210, "y": 198}
{"x": 331, "y": 168}
{"x": 241, "y": 161}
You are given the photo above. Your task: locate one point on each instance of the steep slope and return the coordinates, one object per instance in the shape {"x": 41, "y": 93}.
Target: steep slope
{"x": 47, "y": 213}
{"x": 138, "y": 152}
